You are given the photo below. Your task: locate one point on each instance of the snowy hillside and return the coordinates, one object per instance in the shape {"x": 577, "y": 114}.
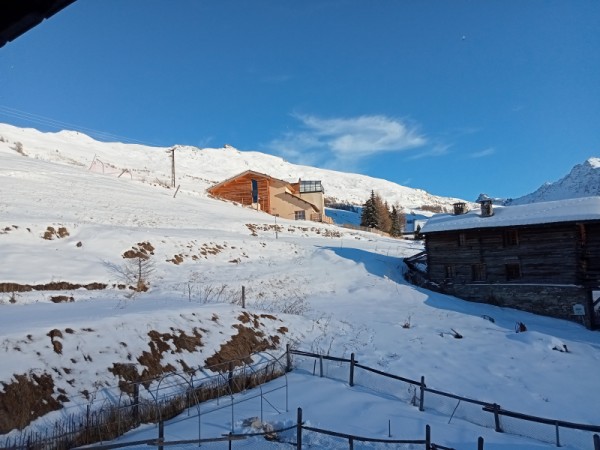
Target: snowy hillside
{"x": 70, "y": 231}
{"x": 582, "y": 181}
{"x": 197, "y": 169}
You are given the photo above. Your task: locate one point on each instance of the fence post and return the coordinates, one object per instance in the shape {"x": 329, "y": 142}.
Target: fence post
{"x": 87, "y": 422}
{"x": 480, "y": 443}
{"x": 497, "y": 417}
{"x": 288, "y": 358}
{"x": 299, "y": 430}
{"x": 321, "y": 366}
{"x": 596, "y": 442}
{"x": 422, "y": 398}
{"x": 427, "y": 437}
{"x": 557, "y": 435}
{"x": 350, "y": 444}
{"x": 244, "y": 297}
{"x": 230, "y": 376}
{"x": 352, "y": 362}
{"x": 161, "y": 434}
{"x": 136, "y": 403}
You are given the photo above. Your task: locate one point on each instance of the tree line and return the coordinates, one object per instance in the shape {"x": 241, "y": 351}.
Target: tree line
{"x": 376, "y": 213}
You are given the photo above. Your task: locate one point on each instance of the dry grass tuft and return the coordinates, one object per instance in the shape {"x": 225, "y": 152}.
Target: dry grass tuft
{"x": 28, "y": 397}
{"x": 142, "y": 250}
{"x": 240, "y": 347}
{"x": 61, "y": 299}
{"x": 52, "y": 233}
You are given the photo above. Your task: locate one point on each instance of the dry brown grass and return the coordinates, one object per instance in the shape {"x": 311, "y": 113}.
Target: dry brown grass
{"x": 52, "y": 233}
{"x": 239, "y": 348}
{"x": 53, "y": 286}
{"x": 177, "y": 341}
{"x": 177, "y": 259}
{"x": 28, "y": 397}
{"x": 61, "y": 299}
{"x": 142, "y": 250}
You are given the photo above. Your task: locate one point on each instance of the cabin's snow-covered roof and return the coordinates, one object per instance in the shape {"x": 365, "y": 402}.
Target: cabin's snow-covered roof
{"x": 569, "y": 210}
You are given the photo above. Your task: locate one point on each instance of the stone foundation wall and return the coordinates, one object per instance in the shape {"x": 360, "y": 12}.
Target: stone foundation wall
{"x": 548, "y": 300}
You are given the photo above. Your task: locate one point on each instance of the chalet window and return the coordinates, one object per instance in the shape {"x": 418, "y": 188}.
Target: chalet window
{"x": 450, "y": 272}
{"x": 254, "y": 191}
{"x": 513, "y": 271}
{"x": 299, "y": 215}
{"x": 310, "y": 186}
{"x": 511, "y": 238}
{"x": 462, "y": 239}
{"x": 478, "y": 272}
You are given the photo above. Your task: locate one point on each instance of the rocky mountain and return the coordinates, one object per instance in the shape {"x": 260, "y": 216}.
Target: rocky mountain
{"x": 582, "y": 181}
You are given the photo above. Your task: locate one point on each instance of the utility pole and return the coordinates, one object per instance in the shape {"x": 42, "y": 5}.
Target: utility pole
{"x": 172, "y": 151}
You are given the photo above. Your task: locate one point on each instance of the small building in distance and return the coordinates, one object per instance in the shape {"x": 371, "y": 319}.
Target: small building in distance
{"x": 302, "y": 200}
{"x": 541, "y": 257}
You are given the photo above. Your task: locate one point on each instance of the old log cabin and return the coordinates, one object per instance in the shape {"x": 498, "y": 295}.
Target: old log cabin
{"x": 302, "y": 200}
{"x": 541, "y": 257}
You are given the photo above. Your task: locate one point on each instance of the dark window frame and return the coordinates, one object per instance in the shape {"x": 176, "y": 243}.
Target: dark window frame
{"x": 300, "y": 215}
{"x": 478, "y": 272}
{"x": 510, "y": 238}
{"x": 513, "y": 271}
{"x": 462, "y": 239}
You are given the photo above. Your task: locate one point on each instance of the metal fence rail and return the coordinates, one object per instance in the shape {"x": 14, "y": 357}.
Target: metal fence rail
{"x": 416, "y": 393}
{"x": 296, "y": 436}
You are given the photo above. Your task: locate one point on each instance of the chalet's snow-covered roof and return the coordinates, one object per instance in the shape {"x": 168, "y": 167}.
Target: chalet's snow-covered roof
{"x": 569, "y": 210}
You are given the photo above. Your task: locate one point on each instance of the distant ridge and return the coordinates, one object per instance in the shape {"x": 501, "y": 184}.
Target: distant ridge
{"x": 582, "y": 181}
{"x": 199, "y": 168}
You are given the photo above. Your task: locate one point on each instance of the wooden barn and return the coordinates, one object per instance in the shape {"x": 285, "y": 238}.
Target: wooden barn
{"x": 541, "y": 257}
{"x": 302, "y": 200}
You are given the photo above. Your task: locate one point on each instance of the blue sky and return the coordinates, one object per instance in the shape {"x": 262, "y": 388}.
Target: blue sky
{"x": 454, "y": 97}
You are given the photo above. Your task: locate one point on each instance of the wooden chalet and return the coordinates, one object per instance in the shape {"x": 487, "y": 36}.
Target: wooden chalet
{"x": 302, "y": 200}
{"x": 541, "y": 257}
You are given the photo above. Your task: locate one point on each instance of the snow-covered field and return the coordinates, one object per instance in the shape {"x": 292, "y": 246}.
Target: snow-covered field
{"x": 346, "y": 285}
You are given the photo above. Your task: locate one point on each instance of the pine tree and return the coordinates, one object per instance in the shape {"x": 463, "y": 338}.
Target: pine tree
{"x": 395, "y": 228}
{"x": 370, "y": 216}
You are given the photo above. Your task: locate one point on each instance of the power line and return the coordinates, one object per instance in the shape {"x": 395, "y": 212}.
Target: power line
{"x": 58, "y": 124}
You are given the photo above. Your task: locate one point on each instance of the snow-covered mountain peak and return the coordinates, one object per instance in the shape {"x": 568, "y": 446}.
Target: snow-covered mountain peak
{"x": 582, "y": 181}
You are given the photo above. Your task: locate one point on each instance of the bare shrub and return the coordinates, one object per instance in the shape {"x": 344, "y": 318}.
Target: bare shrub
{"x": 18, "y": 147}
{"x": 291, "y": 303}
{"x": 199, "y": 289}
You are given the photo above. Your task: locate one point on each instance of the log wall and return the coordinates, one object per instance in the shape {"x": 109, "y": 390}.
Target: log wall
{"x": 559, "y": 266}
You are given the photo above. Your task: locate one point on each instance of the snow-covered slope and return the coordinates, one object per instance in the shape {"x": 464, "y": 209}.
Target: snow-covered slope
{"x": 197, "y": 169}
{"x": 319, "y": 287}
{"x": 582, "y": 181}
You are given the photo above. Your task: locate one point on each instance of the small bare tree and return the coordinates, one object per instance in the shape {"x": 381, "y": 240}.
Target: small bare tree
{"x": 138, "y": 271}
{"x": 138, "y": 266}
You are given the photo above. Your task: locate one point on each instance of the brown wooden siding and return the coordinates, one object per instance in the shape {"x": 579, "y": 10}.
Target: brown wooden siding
{"x": 588, "y": 246}
{"x": 240, "y": 190}
{"x": 546, "y": 254}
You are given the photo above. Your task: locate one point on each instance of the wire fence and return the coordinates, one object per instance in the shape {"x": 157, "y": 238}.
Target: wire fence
{"x": 204, "y": 391}
{"x": 418, "y": 394}
{"x": 296, "y": 436}
{"x": 112, "y": 411}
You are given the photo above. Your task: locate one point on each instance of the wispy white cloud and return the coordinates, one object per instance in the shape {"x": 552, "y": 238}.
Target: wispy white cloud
{"x": 436, "y": 150}
{"x": 343, "y": 142}
{"x": 483, "y": 153}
